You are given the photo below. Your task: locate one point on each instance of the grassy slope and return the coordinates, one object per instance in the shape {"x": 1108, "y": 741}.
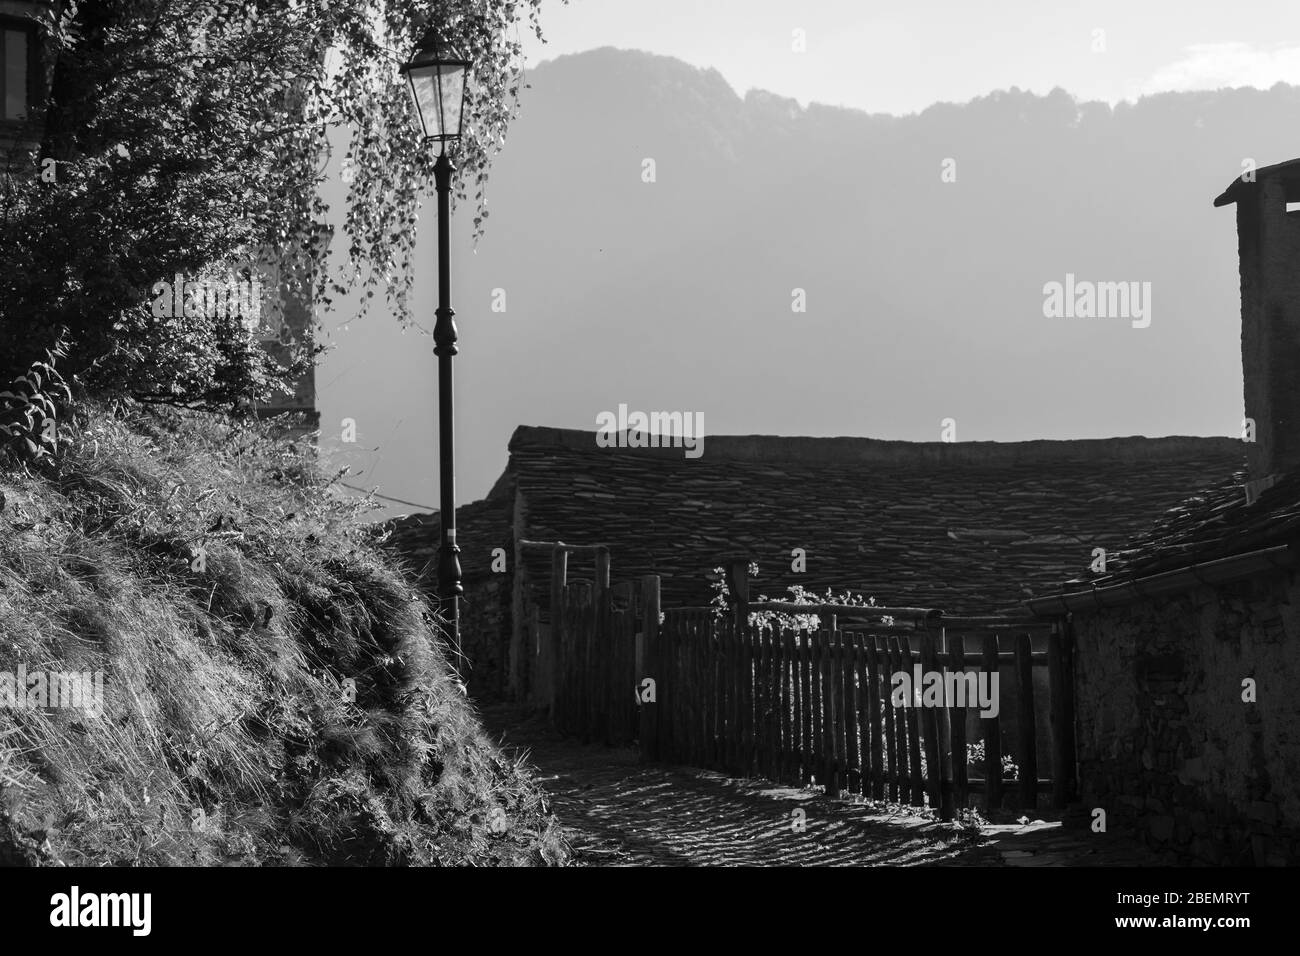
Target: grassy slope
{"x": 227, "y": 735}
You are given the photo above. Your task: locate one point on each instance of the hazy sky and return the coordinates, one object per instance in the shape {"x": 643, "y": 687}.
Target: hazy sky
{"x": 901, "y": 57}
{"x": 896, "y": 58}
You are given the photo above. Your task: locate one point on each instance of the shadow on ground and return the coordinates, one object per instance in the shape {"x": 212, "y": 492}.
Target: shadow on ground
{"x": 617, "y": 811}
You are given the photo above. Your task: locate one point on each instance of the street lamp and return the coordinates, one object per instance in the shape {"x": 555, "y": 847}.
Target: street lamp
{"x": 437, "y": 75}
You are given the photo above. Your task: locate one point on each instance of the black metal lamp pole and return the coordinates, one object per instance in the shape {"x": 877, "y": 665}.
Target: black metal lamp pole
{"x": 444, "y": 338}
{"x": 437, "y": 77}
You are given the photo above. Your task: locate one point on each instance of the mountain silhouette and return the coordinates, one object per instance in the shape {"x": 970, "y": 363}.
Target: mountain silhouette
{"x": 924, "y": 297}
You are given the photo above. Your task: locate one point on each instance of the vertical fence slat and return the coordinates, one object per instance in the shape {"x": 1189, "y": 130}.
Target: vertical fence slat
{"x": 849, "y": 666}
{"x": 675, "y": 668}
{"x": 617, "y": 649}
{"x": 790, "y": 698}
{"x": 912, "y": 723}
{"x": 717, "y": 694}
{"x": 651, "y": 664}
{"x": 992, "y": 733}
{"x": 691, "y": 691}
{"x": 690, "y": 700}
{"x": 734, "y": 759}
{"x": 737, "y": 733}
{"x": 664, "y": 684}
{"x": 703, "y": 686}
{"x": 552, "y": 656}
{"x": 589, "y": 677}
{"x": 874, "y": 718}
{"x": 1067, "y": 667}
{"x": 723, "y": 690}
{"x": 805, "y": 658}
{"x": 839, "y": 737}
{"x": 957, "y": 722}
{"x": 631, "y": 710}
{"x": 564, "y": 705}
{"x": 773, "y": 704}
{"x": 787, "y": 706}
{"x": 929, "y": 719}
{"x": 774, "y": 720}
{"x": 831, "y": 757}
{"x": 746, "y": 697}
{"x": 900, "y": 782}
{"x": 769, "y": 706}
{"x": 816, "y": 758}
{"x": 602, "y": 655}
{"x": 1060, "y": 729}
{"x": 755, "y": 672}
{"x": 1027, "y": 750}
{"x": 762, "y": 656}
{"x": 691, "y": 656}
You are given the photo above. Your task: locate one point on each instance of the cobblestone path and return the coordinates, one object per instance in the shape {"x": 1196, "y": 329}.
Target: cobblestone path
{"x": 618, "y": 812}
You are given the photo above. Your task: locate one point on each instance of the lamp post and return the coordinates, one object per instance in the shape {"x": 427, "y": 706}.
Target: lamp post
{"x": 437, "y": 75}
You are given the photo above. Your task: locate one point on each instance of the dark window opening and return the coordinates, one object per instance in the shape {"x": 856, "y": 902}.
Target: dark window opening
{"x": 17, "y": 62}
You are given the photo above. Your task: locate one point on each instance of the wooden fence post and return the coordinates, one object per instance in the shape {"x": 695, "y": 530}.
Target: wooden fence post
{"x": 737, "y": 570}
{"x": 1025, "y": 730}
{"x": 651, "y": 667}
{"x": 551, "y": 658}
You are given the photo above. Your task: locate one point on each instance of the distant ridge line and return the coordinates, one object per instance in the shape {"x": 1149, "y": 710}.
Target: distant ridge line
{"x": 851, "y": 449}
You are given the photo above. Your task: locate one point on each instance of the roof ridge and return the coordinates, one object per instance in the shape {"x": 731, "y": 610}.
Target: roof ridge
{"x": 855, "y": 449}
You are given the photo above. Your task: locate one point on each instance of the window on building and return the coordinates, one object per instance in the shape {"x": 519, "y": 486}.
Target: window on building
{"x": 16, "y": 41}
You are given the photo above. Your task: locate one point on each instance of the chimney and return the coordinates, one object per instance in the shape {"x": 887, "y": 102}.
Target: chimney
{"x": 1268, "y": 242}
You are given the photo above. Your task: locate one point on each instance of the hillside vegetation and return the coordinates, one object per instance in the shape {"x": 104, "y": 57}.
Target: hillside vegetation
{"x": 274, "y": 690}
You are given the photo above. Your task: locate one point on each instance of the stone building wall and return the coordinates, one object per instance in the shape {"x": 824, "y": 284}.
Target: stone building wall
{"x": 1166, "y": 744}
{"x": 485, "y": 635}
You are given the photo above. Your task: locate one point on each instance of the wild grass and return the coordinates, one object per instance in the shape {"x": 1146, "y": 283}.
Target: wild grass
{"x": 275, "y": 691}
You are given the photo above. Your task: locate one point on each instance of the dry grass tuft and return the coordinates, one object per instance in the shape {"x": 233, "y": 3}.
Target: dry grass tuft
{"x": 285, "y": 700}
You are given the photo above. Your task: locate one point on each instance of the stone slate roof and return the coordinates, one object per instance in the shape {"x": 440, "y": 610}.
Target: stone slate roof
{"x": 1219, "y": 522}
{"x": 972, "y": 527}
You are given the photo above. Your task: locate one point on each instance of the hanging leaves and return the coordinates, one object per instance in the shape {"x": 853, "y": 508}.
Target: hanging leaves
{"x": 192, "y": 137}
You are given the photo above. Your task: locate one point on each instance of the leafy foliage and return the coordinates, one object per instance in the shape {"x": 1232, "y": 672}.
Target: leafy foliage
{"x": 185, "y": 137}
{"x": 29, "y": 413}
{"x": 975, "y": 757}
{"x": 798, "y": 594}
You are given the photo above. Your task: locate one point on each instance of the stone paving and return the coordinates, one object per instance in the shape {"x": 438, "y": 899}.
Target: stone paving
{"x": 617, "y": 811}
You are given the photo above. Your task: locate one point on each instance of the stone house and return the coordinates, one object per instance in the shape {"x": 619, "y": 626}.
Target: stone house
{"x": 970, "y": 528}
{"x": 1187, "y": 650}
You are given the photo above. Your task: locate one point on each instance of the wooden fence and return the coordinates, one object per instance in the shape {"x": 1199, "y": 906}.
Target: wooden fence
{"x": 704, "y": 688}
